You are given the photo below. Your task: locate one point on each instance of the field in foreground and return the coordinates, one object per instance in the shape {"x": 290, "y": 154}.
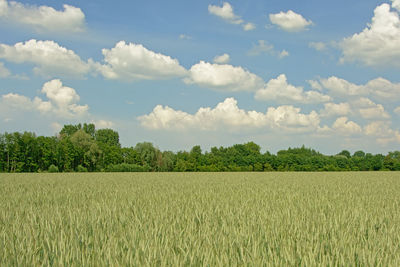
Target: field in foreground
{"x": 174, "y": 219}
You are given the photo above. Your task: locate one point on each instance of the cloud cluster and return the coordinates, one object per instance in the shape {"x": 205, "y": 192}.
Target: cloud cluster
{"x": 263, "y": 47}
{"x": 43, "y": 18}
{"x": 129, "y": 61}
{"x": 226, "y": 13}
{"x": 379, "y": 88}
{"x": 345, "y": 127}
{"x": 382, "y": 131}
{"x": 227, "y": 114}
{"x": 281, "y": 91}
{"x": 223, "y": 77}
{"x": 379, "y": 43}
{"x": 333, "y": 109}
{"x": 370, "y": 110}
{"x": 49, "y": 58}
{"x": 61, "y": 101}
{"x": 290, "y": 21}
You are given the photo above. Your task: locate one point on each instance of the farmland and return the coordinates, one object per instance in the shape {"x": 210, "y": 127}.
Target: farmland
{"x": 223, "y": 219}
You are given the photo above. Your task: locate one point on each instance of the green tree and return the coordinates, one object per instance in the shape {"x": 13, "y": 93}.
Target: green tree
{"x": 148, "y": 154}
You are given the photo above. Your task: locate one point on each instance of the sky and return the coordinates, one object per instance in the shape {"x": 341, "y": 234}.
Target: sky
{"x": 324, "y": 74}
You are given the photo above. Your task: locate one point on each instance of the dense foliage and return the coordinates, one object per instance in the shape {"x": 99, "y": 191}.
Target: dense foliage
{"x": 83, "y": 148}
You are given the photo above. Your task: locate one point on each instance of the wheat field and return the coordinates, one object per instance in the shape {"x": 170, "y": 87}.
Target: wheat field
{"x": 200, "y": 219}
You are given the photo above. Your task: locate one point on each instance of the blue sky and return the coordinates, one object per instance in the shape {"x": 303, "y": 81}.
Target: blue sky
{"x": 181, "y": 73}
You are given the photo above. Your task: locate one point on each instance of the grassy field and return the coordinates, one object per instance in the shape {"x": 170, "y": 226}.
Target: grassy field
{"x": 214, "y": 219}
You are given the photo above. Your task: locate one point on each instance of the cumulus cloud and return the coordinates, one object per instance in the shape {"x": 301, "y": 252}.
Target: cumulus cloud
{"x": 281, "y": 91}
{"x": 61, "y": 101}
{"x": 397, "y": 110}
{"x": 263, "y": 47}
{"x": 249, "y": 26}
{"x": 289, "y": 21}
{"x": 49, "y": 58}
{"x": 129, "y": 61}
{"x": 103, "y": 124}
{"x": 289, "y": 118}
{"x": 340, "y": 86}
{"x": 370, "y": 110}
{"x": 227, "y": 115}
{"x": 4, "y": 72}
{"x": 319, "y": 46}
{"x": 43, "y": 18}
{"x": 384, "y": 89}
{"x": 382, "y": 131}
{"x": 379, "y": 88}
{"x": 378, "y": 43}
{"x": 396, "y": 4}
{"x": 283, "y": 54}
{"x": 223, "y": 77}
{"x": 345, "y": 127}
{"x": 222, "y": 59}
{"x": 226, "y": 13}
{"x": 333, "y": 109}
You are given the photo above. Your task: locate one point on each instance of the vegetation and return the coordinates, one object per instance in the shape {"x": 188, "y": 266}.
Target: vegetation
{"x": 200, "y": 219}
{"x": 83, "y": 148}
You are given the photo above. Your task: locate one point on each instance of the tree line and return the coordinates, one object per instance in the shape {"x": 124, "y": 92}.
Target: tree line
{"x": 82, "y": 148}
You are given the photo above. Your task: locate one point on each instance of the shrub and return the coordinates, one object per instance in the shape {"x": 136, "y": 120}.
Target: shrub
{"x": 53, "y": 168}
{"x": 80, "y": 168}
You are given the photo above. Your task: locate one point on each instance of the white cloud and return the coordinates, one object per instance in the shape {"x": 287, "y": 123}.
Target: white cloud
{"x": 135, "y": 62}
{"x": 378, "y": 128}
{"x": 283, "y": 54}
{"x": 43, "y": 18}
{"x": 378, "y": 43}
{"x": 290, "y": 21}
{"x": 289, "y": 118}
{"x": 226, "y": 13}
{"x": 380, "y": 88}
{"x": 340, "y": 86}
{"x": 382, "y": 131}
{"x": 377, "y": 112}
{"x": 103, "y": 124}
{"x": 62, "y": 101}
{"x": 315, "y": 85}
{"x": 263, "y": 47}
{"x": 384, "y": 89}
{"x": 17, "y": 101}
{"x": 396, "y": 4}
{"x": 319, "y": 46}
{"x": 345, "y": 127}
{"x": 332, "y": 109}
{"x": 249, "y": 26}
{"x": 370, "y": 110}
{"x": 227, "y": 115}
{"x": 279, "y": 90}
{"x": 49, "y": 58}
{"x": 4, "y": 72}
{"x": 223, "y": 77}
{"x": 222, "y": 59}
{"x": 397, "y": 110}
